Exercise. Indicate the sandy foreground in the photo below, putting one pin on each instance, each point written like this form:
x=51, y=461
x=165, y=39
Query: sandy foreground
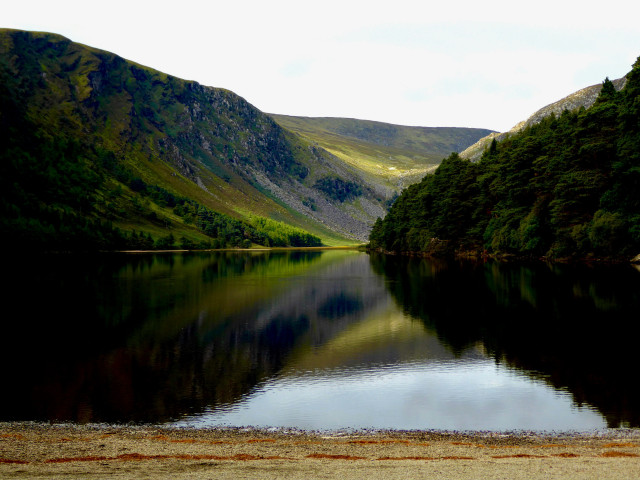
x=38, y=451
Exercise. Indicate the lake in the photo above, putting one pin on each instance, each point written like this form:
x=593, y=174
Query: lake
x=326, y=339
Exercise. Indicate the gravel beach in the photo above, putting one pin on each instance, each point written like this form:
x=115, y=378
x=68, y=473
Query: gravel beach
x=38, y=451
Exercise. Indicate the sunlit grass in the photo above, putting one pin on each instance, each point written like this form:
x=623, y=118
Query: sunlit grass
x=388, y=155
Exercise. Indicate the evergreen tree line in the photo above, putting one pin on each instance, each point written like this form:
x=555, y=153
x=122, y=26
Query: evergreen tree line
x=225, y=231
x=568, y=186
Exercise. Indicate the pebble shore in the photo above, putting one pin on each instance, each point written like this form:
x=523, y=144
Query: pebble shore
x=29, y=450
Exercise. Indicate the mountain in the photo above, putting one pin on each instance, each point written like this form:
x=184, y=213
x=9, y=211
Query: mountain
x=95, y=147
x=100, y=150
x=564, y=186
x=391, y=156
x=583, y=98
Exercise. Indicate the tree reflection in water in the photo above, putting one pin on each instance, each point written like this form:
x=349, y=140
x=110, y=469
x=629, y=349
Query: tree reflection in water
x=152, y=338
x=575, y=326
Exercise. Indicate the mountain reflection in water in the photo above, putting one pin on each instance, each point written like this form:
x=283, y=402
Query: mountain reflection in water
x=319, y=340
x=149, y=338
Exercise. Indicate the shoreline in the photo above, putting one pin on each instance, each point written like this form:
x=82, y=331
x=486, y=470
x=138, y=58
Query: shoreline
x=256, y=249
x=478, y=256
x=36, y=450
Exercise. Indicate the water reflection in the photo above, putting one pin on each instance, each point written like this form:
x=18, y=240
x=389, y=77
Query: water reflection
x=465, y=393
x=575, y=327
x=150, y=338
x=319, y=340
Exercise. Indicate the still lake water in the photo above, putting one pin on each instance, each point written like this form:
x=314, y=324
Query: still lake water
x=319, y=340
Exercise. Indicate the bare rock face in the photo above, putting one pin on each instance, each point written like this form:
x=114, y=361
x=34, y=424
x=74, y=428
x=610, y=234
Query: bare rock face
x=582, y=98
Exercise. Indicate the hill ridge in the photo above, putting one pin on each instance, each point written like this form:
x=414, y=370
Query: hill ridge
x=585, y=97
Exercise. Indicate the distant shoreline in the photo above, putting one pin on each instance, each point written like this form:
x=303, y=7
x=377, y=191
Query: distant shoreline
x=258, y=249
x=504, y=257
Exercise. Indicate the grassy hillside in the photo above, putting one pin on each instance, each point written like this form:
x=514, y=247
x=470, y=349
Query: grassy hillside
x=94, y=143
x=393, y=156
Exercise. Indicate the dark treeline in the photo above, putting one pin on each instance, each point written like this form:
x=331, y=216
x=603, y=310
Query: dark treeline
x=566, y=187
x=224, y=230
x=337, y=189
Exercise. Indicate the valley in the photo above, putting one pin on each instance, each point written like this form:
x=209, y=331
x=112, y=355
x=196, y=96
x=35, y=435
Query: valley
x=100, y=152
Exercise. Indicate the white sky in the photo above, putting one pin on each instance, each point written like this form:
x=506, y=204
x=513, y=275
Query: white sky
x=485, y=64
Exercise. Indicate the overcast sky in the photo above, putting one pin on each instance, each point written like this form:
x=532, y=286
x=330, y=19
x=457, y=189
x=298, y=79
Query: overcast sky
x=485, y=64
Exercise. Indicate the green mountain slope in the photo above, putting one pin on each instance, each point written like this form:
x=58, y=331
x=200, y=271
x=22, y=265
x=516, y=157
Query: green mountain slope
x=392, y=156
x=566, y=186
x=92, y=142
